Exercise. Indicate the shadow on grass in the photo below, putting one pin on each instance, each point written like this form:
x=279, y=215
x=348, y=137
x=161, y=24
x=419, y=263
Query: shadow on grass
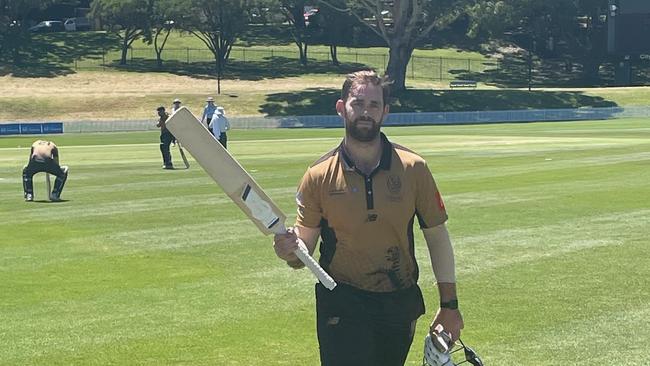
x=269, y=35
x=513, y=73
x=266, y=68
x=54, y=54
x=320, y=101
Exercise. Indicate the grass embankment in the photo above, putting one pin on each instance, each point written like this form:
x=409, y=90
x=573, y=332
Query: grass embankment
x=124, y=95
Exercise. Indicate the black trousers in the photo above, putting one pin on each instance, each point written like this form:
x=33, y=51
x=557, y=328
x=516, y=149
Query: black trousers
x=223, y=139
x=166, y=139
x=361, y=328
x=46, y=166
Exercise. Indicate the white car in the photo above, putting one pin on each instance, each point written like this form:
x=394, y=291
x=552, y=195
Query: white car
x=76, y=24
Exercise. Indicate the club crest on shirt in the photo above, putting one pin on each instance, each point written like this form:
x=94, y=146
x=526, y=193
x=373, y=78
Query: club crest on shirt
x=394, y=184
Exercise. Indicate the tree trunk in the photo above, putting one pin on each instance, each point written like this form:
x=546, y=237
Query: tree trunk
x=302, y=47
x=398, y=60
x=219, y=66
x=16, y=55
x=590, y=70
x=333, y=53
x=125, y=49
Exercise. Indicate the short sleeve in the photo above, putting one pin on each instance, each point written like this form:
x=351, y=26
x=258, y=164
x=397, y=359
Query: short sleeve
x=429, y=206
x=308, y=201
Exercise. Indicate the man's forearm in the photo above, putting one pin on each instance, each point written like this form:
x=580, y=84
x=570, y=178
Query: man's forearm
x=447, y=291
x=441, y=254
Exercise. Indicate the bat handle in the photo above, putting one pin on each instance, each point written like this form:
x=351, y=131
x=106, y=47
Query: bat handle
x=313, y=266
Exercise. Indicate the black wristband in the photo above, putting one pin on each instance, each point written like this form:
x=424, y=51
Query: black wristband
x=451, y=304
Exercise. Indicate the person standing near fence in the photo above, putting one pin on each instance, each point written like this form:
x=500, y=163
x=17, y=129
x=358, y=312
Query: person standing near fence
x=44, y=157
x=208, y=113
x=166, y=138
x=219, y=126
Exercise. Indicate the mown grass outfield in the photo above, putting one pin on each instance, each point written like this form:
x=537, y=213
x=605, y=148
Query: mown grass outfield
x=142, y=266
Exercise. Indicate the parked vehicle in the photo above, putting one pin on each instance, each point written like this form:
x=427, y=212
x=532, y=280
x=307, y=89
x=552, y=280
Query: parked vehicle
x=48, y=26
x=76, y=24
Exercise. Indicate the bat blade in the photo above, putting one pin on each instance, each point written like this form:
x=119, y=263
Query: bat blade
x=48, y=184
x=226, y=171
x=236, y=182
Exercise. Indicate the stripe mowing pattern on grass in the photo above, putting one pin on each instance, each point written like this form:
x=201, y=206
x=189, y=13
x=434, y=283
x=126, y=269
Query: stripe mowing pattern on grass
x=140, y=266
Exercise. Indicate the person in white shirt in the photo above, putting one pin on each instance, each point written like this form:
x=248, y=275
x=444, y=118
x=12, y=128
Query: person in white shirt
x=208, y=113
x=176, y=105
x=219, y=125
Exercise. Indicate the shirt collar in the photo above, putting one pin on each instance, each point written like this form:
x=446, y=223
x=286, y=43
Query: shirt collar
x=384, y=161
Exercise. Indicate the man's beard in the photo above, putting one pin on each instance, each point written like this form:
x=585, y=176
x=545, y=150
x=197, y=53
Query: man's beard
x=363, y=134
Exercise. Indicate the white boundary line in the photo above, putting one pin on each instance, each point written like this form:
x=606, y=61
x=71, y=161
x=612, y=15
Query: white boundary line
x=156, y=144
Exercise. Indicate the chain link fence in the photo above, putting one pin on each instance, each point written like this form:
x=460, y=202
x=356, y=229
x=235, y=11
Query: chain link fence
x=510, y=71
x=241, y=58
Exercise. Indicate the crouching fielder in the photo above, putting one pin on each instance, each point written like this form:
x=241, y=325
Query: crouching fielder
x=44, y=157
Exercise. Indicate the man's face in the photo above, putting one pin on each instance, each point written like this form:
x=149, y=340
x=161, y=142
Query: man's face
x=177, y=104
x=161, y=112
x=363, y=112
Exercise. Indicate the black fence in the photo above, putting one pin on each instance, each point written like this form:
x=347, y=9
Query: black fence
x=512, y=71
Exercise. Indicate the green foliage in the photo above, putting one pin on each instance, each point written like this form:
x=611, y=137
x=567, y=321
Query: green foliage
x=217, y=24
x=294, y=13
x=332, y=27
x=128, y=19
x=14, y=37
x=164, y=15
x=569, y=29
x=402, y=24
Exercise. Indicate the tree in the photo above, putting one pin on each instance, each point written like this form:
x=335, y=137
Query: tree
x=401, y=24
x=572, y=29
x=331, y=27
x=262, y=11
x=128, y=19
x=14, y=17
x=294, y=11
x=217, y=23
x=164, y=13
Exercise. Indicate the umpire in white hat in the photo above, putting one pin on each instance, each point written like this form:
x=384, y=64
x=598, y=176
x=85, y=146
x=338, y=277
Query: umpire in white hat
x=219, y=125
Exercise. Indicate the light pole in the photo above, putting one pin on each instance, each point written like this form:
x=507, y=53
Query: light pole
x=530, y=69
x=218, y=49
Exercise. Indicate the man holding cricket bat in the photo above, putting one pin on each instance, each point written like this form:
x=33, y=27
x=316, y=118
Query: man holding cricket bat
x=166, y=138
x=362, y=199
x=44, y=157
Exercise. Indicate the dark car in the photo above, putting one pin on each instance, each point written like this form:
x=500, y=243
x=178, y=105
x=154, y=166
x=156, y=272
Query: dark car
x=48, y=26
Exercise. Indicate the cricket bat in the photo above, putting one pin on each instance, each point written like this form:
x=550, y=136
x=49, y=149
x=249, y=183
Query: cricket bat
x=48, y=185
x=180, y=149
x=236, y=182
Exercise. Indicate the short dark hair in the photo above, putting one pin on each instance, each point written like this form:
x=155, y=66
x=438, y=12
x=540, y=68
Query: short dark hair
x=366, y=77
x=161, y=108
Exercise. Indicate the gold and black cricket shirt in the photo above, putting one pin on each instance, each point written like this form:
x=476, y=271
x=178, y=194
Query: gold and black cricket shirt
x=366, y=222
